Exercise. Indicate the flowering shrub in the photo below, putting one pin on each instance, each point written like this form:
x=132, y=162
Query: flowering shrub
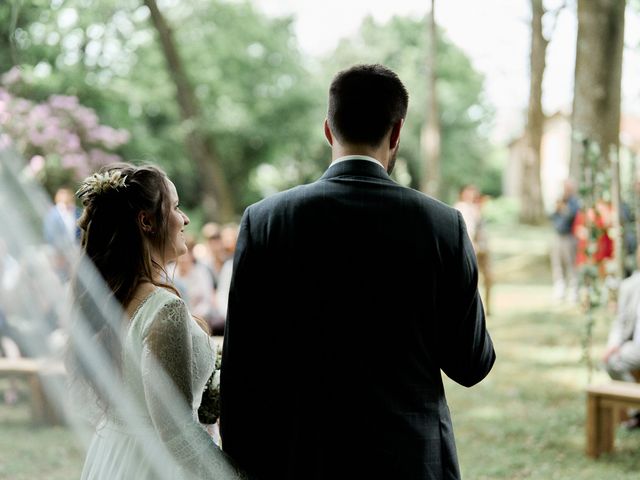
x=57, y=134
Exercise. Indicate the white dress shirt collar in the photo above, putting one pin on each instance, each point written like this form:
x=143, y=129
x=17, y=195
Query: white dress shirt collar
x=356, y=157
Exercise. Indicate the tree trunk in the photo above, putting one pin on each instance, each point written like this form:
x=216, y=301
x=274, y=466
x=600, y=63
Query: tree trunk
x=217, y=200
x=531, y=206
x=596, y=103
x=430, y=137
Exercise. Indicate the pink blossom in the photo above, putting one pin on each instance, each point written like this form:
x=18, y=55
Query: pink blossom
x=85, y=117
x=109, y=137
x=5, y=141
x=36, y=163
x=21, y=105
x=70, y=141
x=123, y=136
x=39, y=115
x=36, y=137
x=83, y=170
x=60, y=127
x=54, y=137
x=4, y=102
x=12, y=76
x=74, y=160
x=63, y=102
x=100, y=157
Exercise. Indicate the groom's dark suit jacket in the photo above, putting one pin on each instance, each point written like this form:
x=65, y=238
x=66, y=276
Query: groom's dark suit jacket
x=349, y=297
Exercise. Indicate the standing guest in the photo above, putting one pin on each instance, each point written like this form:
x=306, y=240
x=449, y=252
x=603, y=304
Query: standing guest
x=229, y=239
x=229, y=236
x=216, y=255
x=61, y=231
x=60, y=224
x=470, y=206
x=564, y=244
x=359, y=345
x=197, y=284
x=132, y=228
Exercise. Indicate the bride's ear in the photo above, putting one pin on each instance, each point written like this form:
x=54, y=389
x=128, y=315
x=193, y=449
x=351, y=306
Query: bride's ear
x=144, y=222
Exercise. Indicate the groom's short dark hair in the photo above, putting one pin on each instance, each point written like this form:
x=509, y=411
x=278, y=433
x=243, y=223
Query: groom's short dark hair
x=365, y=101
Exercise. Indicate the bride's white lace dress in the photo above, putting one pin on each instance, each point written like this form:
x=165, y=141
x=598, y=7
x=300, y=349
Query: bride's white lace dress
x=161, y=333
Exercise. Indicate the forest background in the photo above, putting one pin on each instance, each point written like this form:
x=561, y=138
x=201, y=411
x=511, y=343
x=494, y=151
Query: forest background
x=227, y=102
x=221, y=94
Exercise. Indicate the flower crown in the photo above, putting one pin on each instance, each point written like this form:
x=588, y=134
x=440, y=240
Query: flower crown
x=100, y=183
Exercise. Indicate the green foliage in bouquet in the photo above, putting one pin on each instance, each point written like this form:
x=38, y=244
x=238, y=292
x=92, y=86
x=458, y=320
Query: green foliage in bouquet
x=209, y=409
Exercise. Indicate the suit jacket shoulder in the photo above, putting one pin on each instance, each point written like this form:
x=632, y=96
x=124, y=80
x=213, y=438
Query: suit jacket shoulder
x=445, y=222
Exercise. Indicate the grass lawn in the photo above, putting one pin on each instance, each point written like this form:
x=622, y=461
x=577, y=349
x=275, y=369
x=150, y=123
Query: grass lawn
x=28, y=452
x=525, y=421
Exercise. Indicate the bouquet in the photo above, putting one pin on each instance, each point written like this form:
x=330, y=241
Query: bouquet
x=209, y=409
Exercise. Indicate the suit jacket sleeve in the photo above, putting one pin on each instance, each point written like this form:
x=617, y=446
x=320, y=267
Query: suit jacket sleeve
x=239, y=405
x=466, y=349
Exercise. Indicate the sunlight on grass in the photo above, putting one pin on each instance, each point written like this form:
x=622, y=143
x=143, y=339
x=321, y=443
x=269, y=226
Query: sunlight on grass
x=487, y=413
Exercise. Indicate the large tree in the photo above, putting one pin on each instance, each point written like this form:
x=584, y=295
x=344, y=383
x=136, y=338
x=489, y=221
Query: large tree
x=531, y=207
x=430, y=138
x=217, y=200
x=598, y=76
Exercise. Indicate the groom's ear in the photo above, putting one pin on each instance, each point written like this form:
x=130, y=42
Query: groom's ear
x=394, y=138
x=327, y=132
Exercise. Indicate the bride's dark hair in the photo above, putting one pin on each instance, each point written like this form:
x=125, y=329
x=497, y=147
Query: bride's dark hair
x=112, y=235
x=120, y=247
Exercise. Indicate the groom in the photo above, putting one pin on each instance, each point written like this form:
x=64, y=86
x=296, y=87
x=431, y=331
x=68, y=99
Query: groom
x=350, y=295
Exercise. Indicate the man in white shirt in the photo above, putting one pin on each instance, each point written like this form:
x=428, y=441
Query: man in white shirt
x=622, y=356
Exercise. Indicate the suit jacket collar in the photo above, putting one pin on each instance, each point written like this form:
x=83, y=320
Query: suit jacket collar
x=356, y=167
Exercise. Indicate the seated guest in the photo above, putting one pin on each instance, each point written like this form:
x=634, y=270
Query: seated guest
x=622, y=355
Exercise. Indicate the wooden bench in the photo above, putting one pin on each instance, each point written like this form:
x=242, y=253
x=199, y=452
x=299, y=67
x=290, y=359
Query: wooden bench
x=606, y=405
x=37, y=372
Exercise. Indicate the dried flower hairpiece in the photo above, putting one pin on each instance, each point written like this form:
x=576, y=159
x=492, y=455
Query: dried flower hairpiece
x=100, y=183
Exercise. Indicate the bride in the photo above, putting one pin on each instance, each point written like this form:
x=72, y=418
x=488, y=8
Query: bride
x=132, y=226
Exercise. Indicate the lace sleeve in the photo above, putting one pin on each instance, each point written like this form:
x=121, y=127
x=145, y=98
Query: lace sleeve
x=167, y=378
